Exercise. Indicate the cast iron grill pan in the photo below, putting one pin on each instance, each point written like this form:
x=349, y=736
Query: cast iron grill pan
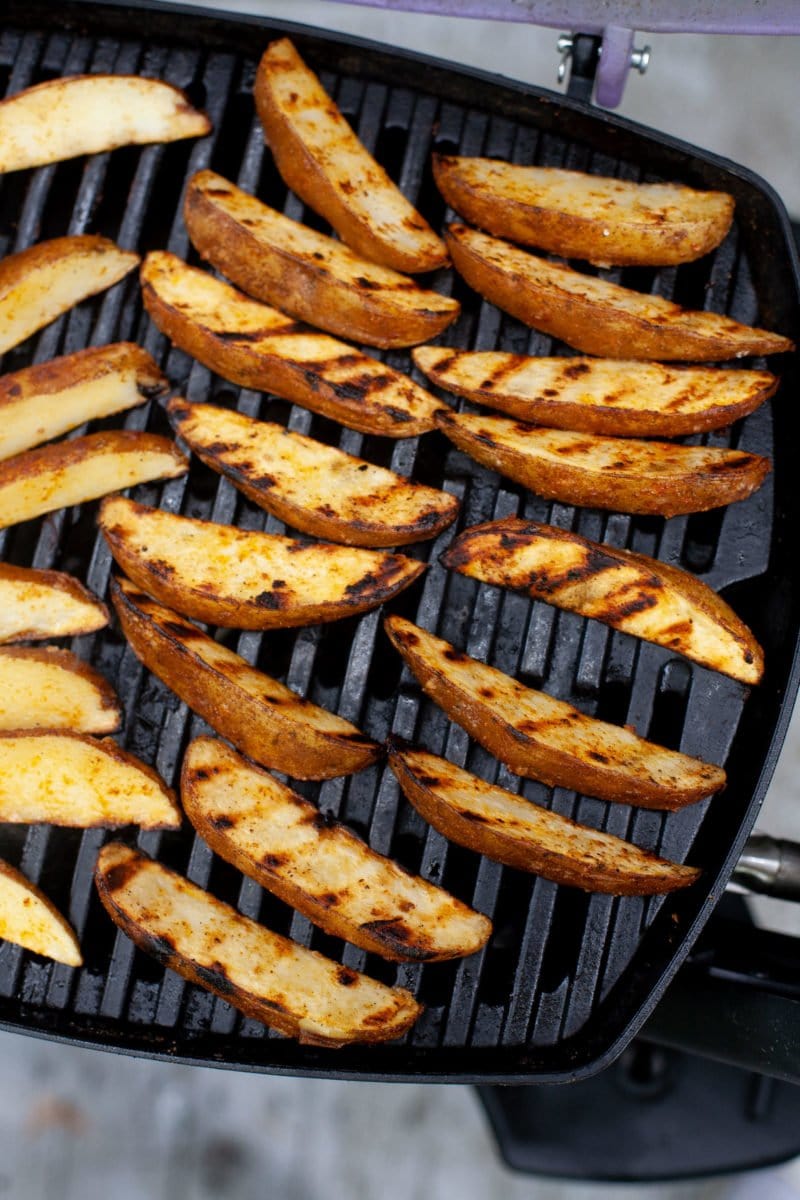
x=567, y=977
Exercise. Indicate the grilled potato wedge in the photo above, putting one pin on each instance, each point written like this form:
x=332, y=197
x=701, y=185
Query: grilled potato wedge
x=598, y=395
x=43, y=604
x=70, y=779
x=509, y=829
x=247, y=580
x=322, y=160
x=306, y=273
x=42, y=402
x=271, y=979
x=546, y=739
x=596, y=316
x=623, y=474
x=86, y=114
x=607, y=221
x=266, y=720
x=54, y=689
x=314, y=487
x=40, y=283
x=318, y=866
x=258, y=347
x=29, y=919
x=627, y=591
x=71, y=472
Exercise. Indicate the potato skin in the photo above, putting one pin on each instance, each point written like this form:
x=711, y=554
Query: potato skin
x=710, y=479
x=607, y=239
x=427, y=792
x=267, y=733
x=318, y=183
x=94, y=613
x=590, y=325
x=83, y=366
x=528, y=754
x=546, y=407
x=363, y=310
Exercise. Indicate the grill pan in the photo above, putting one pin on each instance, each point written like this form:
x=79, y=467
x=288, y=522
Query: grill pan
x=568, y=978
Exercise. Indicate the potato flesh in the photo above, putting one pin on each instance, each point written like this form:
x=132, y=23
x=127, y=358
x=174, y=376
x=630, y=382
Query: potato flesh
x=37, y=289
x=74, y=781
x=309, y=476
x=28, y=919
x=86, y=114
x=284, y=837
x=82, y=470
x=33, y=607
x=277, y=577
x=384, y=225
x=470, y=689
x=637, y=595
x=96, y=383
x=44, y=689
x=327, y=1003
x=547, y=391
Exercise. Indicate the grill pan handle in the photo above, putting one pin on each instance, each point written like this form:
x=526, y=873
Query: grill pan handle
x=770, y=866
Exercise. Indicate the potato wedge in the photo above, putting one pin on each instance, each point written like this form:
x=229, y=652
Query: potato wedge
x=71, y=472
x=271, y=979
x=314, y=277
x=607, y=221
x=86, y=114
x=266, y=720
x=623, y=474
x=546, y=739
x=316, y=488
x=43, y=604
x=598, y=395
x=318, y=866
x=40, y=283
x=322, y=160
x=511, y=830
x=54, y=689
x=627, y=591
x=29, y=919
x=42, y=402
x=73, y=780
x=247, y=580
x=596, y=316
x=258, y=347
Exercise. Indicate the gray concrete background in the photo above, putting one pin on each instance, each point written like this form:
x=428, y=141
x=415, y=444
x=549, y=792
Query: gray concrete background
x=82, y=1124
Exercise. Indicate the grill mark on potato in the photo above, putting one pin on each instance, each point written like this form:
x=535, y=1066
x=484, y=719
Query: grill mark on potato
x=359, y=387
x=273, y=861
x=347, y=977
x=222, y=821
x=120, y=874
x=258, y=335
x=216, y=978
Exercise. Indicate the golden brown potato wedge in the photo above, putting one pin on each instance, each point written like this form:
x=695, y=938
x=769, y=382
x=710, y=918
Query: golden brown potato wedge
x=258, y=347
x=625, y=590
x=42, y=604
x=308, y=274
x=42, y=402
x=322, y=160
x=316, y=488
x=596, y=316
x=70, y=779
x=65, y=473
x=512, y=830
x=623, y=474
x=266, y=720
x=546, y=739
x=271, y=979
x=247, y=580
x=29, y=919
x=318, y=866
x=86, y=114
x=40, y=283
x=607, y=221
x=54, y=689
x=598, y=395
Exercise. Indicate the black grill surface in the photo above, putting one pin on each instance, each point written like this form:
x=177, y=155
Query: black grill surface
x=567, y=977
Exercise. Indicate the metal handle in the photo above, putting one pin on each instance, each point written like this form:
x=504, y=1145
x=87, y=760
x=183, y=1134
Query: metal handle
x=770, y=866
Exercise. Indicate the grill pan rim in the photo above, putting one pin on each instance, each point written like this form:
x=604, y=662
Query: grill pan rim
x=216, y=26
